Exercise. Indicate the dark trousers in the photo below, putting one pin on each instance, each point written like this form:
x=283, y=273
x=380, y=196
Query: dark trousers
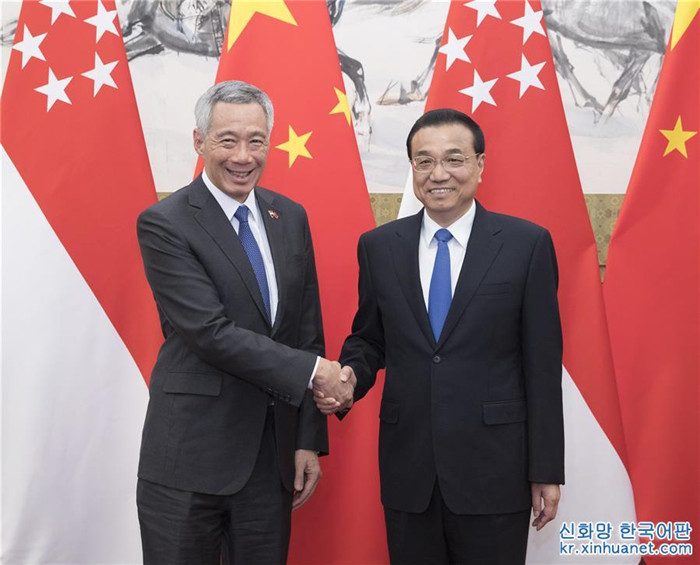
x=439, y=536
x=249, y=527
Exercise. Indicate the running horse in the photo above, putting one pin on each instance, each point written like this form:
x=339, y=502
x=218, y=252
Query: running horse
x=198, y=26
x=627, y=33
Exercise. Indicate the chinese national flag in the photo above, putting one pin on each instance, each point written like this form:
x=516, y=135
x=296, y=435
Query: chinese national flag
x=652, y=287
x=80, y=329
x=495, y=64
x=287, y=50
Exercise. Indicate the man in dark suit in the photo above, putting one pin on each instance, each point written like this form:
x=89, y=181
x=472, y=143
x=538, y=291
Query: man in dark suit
x=232, y=436
x=460, y=305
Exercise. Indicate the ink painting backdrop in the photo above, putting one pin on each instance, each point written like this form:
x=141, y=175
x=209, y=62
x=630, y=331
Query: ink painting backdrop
x=608, y=55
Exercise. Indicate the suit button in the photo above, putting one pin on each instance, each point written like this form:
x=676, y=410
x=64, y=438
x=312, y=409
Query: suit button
x=437, y=359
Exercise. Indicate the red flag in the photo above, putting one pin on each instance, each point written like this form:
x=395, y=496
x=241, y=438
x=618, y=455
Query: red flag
x=651, y=295
x=71, y=127
x=495, y=64
x=287, y=49
x=81, y=326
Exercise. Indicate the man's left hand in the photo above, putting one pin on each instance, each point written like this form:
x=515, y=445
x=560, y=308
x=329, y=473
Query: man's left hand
x=306, y=476
x=550, y=495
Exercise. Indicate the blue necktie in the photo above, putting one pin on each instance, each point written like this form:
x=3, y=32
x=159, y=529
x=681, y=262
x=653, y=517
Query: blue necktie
x=253, y=251
x=440, y=295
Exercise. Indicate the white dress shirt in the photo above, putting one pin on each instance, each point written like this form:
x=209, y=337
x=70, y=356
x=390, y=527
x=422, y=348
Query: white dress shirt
x=457, y=246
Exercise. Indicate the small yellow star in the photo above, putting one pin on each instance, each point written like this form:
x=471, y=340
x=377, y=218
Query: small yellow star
x=677, y=138
x=242, y=12
x=342, y=107
x=296, y=146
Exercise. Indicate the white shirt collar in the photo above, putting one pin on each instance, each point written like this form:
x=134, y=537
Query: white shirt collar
x=228, y=204
x=460, y=228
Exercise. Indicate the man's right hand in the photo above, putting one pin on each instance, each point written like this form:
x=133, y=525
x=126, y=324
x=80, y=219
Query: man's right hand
x=333, y=388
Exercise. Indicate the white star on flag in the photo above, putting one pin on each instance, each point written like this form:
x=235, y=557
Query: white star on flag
x=484, y=8
x=58, y=7
x=103, y=21
x=531, y=22
x=29, y=46
x=454, y=48
x=480, y=91
x=101, y=74
x=527, y=75
x=54, y=90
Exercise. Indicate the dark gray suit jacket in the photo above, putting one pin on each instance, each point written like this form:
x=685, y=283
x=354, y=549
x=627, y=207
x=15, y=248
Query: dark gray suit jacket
x=221, y=360
x=481, y=409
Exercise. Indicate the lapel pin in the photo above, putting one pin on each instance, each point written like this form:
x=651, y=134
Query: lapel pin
x=274, y=215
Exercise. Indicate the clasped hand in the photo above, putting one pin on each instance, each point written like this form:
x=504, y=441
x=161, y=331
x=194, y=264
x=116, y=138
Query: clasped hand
x=333, y=387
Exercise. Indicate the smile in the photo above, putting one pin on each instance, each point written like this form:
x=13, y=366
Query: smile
x=241, y=175
x=440, y=190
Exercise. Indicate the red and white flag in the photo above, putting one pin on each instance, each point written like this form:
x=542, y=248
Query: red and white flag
x=495, y=64
x=287, y=49
x=79, y=327
x=652, y=299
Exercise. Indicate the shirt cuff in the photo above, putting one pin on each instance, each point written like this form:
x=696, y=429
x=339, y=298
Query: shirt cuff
x=313, y=373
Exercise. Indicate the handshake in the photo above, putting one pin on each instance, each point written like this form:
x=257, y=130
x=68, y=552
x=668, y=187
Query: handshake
x=333, y=387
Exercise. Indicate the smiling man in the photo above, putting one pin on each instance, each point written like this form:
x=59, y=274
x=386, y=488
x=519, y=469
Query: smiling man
x=460, y=305
x=232, y=436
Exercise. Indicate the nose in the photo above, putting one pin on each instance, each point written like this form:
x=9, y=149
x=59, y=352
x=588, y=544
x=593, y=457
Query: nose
x=439, y=173
x=240, y=153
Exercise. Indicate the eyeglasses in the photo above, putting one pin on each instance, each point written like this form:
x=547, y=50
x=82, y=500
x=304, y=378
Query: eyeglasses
x=425, y=164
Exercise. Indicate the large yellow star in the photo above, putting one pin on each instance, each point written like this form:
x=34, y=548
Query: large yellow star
x=242, y=12
x=686, y=10
x=296, y=146
x=677, y=138
x=342, y=107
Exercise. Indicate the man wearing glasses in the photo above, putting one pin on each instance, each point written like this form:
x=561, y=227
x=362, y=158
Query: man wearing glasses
x=460, y=305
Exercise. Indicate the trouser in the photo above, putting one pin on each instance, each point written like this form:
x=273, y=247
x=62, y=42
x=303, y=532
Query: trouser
x=439, y=536
x=249, y=527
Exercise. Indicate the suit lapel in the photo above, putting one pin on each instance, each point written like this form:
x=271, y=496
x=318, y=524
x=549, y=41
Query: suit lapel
x=213, y=220
x=405, y=256
x=483, y=247
x=274, y=227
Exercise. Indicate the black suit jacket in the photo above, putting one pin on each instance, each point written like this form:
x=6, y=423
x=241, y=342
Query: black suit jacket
x=221, y=360
x=480, y=410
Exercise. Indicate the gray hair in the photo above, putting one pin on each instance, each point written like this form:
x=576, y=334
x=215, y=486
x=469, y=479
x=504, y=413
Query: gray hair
x=231, y=92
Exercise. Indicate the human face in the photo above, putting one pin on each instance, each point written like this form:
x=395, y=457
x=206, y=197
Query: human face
x=235, y=148
x=446, y=194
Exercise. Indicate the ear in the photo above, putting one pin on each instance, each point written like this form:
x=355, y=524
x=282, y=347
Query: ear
x=480, y=164
x=198, y=142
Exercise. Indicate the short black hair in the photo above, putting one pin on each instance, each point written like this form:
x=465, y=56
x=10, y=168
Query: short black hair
x=443, y=116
